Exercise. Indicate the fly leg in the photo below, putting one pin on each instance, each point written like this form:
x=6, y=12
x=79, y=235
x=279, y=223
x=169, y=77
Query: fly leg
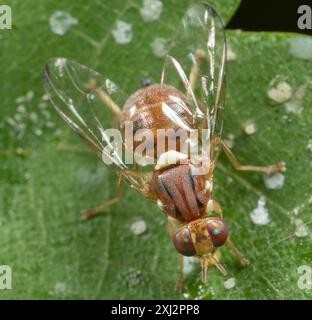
x=180, y=281
x=199, y=55
x=242, y=260
x=106, y=99
x=279, y=167
x=88, y=214
x=131, y=176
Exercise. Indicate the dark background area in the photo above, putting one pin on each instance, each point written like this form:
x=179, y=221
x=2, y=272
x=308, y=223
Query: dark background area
x=265, y=15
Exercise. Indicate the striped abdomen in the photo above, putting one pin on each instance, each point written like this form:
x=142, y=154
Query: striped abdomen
x=183, y=195
x=158, y=107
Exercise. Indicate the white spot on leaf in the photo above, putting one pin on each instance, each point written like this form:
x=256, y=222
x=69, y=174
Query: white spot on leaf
x=230, y=283
x=260, y=215
x=294, y=105
x=301, y=48
x=301, y=228
x=45, y=97
x=27, y=97
x=281, y=92
x=33, y=117
x=122, y=32
x=151, y=10
x=189, y=263
x=250, y=128
x=21, y=109
x=138, y=227
x=274, y=181
x=194, y=17
x=59, y=289
x=230, y=140
x=42, y=105
x=230, y=55
x=30, y=95
x=50, y=124
x=38, y=132
x=309, y=145
x=19, y=100
x=61, y=22
x=159, y=47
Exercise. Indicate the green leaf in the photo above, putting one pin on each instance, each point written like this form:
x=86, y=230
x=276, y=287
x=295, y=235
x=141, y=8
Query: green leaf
x=47, y=177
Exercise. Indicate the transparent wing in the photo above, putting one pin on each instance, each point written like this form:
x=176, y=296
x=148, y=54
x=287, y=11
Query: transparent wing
x=88, y=103
x=196, y=64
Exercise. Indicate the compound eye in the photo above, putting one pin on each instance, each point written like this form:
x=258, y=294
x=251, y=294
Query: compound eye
x=218, y=231
x=182, y=241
